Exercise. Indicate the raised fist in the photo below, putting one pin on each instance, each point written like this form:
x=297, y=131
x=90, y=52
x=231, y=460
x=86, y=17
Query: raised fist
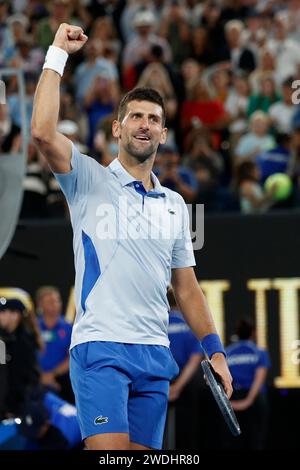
x=70, y=38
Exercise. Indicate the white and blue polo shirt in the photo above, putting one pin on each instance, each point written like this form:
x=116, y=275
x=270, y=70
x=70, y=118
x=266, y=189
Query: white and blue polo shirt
x=126, y=241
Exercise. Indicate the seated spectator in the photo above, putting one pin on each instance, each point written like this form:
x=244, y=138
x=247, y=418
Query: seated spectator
x=281, y=113
x=257, y=140
x=174, y=176
x=275, y=160
x=252, y=197
x=56, y=333
x=265, y=98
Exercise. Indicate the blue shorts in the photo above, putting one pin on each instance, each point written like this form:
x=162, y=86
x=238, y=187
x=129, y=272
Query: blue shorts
x=122, y=388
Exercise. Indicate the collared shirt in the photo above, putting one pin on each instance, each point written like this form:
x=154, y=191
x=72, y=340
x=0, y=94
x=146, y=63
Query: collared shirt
x=244, y=358
x=126, y=241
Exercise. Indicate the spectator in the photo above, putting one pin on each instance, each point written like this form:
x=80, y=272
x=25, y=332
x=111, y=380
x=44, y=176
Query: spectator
x=19, y=332
x=174, y=176
x=137, y=49
x=175, y=28
x=210, y=193
x=60, y=12
x=94, y=65
x=277, y=159
x=99, y=102
x=284, y=49
x=249, y=365
x=56, y=333
x=240, y=57
x=251, y=195
x=282, y=112
x=257, y=140
x=156, y=76
x=265, y=98
x=266, y=67
x=236, y=105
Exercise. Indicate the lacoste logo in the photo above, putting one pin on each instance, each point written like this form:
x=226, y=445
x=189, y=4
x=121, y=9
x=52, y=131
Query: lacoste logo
x=171, y=211
x=101, y=420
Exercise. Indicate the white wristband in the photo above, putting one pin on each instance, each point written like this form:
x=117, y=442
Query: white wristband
x=56, y=59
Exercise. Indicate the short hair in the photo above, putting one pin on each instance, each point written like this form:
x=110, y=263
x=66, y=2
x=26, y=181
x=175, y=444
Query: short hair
x=141, y=94
x=245, y=328
x=45, y=290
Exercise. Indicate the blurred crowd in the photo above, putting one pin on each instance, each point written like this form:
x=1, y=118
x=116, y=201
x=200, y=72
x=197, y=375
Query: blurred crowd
x=227, y=70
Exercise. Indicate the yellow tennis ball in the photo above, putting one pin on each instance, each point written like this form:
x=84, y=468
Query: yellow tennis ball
x=283, y=185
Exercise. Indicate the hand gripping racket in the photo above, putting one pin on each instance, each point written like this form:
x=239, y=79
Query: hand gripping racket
x=214, y=382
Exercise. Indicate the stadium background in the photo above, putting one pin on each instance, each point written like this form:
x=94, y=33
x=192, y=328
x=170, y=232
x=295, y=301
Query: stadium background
x=242, y=253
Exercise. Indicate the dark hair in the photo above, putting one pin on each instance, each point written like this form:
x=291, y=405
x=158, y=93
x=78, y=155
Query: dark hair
x=244, y=171
x=245, y=328
x=141, y=94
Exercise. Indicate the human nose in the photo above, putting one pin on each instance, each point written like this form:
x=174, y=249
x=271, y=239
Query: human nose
x=144, y=123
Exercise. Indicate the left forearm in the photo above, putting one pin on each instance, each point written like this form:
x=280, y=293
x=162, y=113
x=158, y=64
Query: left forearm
x=194, y=307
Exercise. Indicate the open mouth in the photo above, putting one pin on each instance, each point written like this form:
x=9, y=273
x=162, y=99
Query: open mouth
x=142, y=138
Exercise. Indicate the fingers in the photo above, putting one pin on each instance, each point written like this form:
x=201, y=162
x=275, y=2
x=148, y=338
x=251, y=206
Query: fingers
x=227, y=387
x=75, y=32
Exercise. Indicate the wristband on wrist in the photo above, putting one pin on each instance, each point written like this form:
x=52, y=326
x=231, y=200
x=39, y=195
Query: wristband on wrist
x=56, y=59
x=212, y=344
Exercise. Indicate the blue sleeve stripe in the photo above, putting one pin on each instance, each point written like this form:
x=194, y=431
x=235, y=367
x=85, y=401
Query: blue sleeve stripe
x=92, y=269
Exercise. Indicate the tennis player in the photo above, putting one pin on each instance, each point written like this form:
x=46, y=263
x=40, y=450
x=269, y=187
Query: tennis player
x=120, y=362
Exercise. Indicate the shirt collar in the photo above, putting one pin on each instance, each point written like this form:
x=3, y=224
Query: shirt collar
x=125, y=178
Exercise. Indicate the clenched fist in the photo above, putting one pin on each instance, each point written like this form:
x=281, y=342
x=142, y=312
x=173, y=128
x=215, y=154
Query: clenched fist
x=69, y=38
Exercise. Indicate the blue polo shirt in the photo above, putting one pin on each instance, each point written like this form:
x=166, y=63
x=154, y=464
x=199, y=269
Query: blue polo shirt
x=126, y=242
x=183, y=343
x=57, y=342
x=244, y=358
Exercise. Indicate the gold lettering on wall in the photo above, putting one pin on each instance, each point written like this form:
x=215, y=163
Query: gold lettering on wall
x=214, y=291
x=260, y=286
x=288, y=331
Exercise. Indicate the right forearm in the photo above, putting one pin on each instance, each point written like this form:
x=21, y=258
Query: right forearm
x=46, y=106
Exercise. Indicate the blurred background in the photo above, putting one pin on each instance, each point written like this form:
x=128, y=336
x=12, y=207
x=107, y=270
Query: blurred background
x=228, y=72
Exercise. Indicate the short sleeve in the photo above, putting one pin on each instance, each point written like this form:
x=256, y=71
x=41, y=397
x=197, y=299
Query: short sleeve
x=84, y=174
x=183, y=254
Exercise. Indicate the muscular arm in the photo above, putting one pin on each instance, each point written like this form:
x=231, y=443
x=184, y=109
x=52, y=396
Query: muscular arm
x=53, y=145
x=193, y=305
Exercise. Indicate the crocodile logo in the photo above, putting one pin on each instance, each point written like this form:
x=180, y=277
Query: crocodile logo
x=171, y=211
x=101, y=420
